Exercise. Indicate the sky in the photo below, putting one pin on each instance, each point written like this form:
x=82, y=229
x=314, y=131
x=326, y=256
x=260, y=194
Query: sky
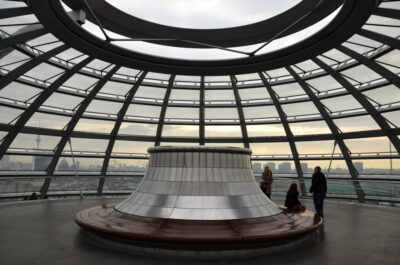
x=206, y=14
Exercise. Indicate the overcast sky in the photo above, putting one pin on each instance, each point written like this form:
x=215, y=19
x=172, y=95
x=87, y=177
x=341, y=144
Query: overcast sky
x=206, y=14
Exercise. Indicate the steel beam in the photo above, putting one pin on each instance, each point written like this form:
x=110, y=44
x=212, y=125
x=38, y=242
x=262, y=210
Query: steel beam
x=17, y=72
x=23, y=119
x=14, y=12
x=33, y=32
x=71, y=126
x=240, y=112
x=392, y=42
x=388, y=12
x=335, y=132
x=114, y=132
x=164, y=110
x=288, y=132
x=202, y=134
x=379, y=69
x=379, y=119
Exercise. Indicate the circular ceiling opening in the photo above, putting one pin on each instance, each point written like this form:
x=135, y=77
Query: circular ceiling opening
x=205, y=14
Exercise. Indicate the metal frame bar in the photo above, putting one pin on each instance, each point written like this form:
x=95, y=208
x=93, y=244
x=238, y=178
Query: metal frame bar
x=335, y=132
x=44, y=95
x=387, y=12
x=17, y=72
x=71, y=125
x=240, y=112
x=34, y=31
x=379, y=69
x=202, y=134
x=114, y=132
x=14, y=12
x=164, y=110
x=288, y=132
x=379, y=119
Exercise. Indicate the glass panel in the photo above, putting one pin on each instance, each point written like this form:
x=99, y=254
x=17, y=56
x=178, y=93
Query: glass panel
x=341, y=103
x=265, y=130
x=221, y=113
x=316, y=147
x=17, y=163
x=271, y=148
x=74, y=184
x=384, y=95
x=288, y=90
x=85, y=144
x=211, y=95
x=127, y=165
x=63, y=101
x=44, y=71
x=89, y=125
x=223, y=131
x=121, y=184
x=185, y=94
x=253, y=93
x=393, y=117
x=20, y=185
x=13, y=60
x=260, y=112
x=116, y=88
x=324, y=83
x=138, y=128
x=19, y=91
x=182, y=113
x=295, y=109
x=310, y=127
x=9, y=114
x=360, y=74
x=102, y=106
x=361, y=123
x=80, y=81
x=33, y=141
x=83, y=164
x=390, y=61
x=150, y=92
x=367, y=145
x=181, y=130
x=139, y=110
x=48, y=121
x=131, y=147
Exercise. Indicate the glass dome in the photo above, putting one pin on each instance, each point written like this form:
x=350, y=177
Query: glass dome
x=77, y=120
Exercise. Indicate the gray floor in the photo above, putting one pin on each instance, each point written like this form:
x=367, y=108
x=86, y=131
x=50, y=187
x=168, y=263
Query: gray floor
x=44, y=233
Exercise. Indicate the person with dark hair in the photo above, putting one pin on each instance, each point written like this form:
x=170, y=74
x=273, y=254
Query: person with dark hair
x=318, y=189
x=33, y=196
x=266, y=182
x=292, y=202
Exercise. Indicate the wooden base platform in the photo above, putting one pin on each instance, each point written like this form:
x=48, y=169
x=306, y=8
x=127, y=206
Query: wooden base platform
x=106, y=221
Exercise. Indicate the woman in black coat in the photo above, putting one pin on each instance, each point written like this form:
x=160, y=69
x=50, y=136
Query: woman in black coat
x=292, y=202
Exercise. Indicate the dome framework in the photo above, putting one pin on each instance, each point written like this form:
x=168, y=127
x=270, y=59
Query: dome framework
x=103, y=114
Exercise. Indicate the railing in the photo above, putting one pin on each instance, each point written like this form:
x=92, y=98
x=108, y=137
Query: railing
x=385, y=191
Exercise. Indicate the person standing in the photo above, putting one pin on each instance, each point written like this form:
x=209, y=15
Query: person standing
x=266, y=182
x=318, y=189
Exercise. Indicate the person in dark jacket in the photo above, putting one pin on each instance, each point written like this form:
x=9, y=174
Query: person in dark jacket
x=266, y=182
x=292, y=202
x=318, y=189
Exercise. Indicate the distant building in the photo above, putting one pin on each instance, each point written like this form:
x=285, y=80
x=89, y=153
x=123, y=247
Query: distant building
x=5, y=162
x=285, y=167
x=40, y=163
x=359, y=166
x=257, y=168
x=304, y=167
x=63, y=166
x=271, y=166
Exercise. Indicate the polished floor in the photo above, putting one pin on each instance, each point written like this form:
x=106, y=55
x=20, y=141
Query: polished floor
x=44, y=233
